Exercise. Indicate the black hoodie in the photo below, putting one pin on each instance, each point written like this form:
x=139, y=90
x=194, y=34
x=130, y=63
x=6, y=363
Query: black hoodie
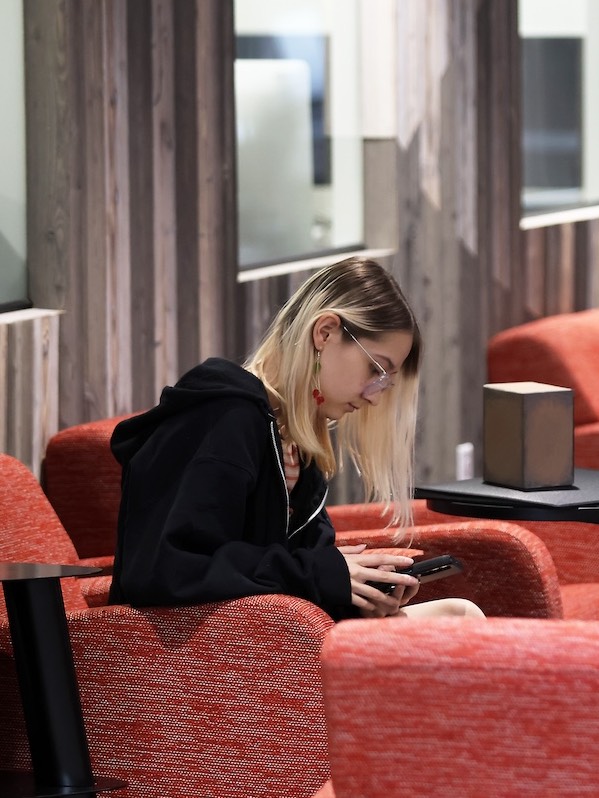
x=205, y=513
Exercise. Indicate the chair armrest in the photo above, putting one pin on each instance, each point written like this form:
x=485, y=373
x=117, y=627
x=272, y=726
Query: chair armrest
x=233, y=688
x=507, y=569
x=573, y=545
x=372, y=515
x=491, y=699
x=95, y=590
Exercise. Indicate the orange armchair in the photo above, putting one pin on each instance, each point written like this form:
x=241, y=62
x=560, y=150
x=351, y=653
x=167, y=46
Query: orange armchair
x=508, y=570
x=83, y=483
x=218, y=699
x=558, y=350
x=472, y=708
x=30, y=531
x=573, y=546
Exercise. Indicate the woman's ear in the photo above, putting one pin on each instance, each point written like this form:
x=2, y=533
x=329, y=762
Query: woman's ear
x=329, y=324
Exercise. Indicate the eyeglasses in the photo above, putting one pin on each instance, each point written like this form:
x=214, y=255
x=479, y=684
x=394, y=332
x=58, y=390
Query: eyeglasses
x=379, y=384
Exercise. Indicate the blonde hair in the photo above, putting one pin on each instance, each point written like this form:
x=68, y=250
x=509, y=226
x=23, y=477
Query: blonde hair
x=379, y=440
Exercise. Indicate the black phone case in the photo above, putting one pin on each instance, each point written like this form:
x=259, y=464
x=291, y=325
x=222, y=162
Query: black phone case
x=426, y=571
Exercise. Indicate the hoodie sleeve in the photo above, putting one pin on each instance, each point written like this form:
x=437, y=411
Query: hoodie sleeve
x=191, y=533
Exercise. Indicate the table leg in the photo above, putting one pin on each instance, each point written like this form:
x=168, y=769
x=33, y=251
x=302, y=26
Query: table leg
x=48, y=684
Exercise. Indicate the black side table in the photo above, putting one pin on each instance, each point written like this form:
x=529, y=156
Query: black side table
x=478, y=499
x=48, y=686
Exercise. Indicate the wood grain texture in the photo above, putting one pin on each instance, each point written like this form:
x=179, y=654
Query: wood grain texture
x=28, y=383
x=560, y=267
x=132, y=209
x=130, y=121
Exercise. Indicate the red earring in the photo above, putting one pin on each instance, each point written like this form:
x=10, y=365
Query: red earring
x=318, y=397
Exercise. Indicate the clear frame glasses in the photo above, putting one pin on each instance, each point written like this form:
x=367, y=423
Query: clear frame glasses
x=379, y=384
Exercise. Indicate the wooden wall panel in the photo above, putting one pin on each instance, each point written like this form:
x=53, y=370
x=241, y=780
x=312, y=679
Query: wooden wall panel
x=28, y=383
x=132, y=212
x=131, y=192
x=561, y=267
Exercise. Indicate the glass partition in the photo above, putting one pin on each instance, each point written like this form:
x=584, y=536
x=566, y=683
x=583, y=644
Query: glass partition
x=560, y=103
x=299, y=150
x=13, y=279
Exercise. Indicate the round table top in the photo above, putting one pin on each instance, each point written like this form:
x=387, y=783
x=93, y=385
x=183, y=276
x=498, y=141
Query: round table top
x=21, y=571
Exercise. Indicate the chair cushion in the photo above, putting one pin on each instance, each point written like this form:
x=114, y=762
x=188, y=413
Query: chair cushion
x=83, y=482
x=586, y=446
x=30, y=531
x=558, y=350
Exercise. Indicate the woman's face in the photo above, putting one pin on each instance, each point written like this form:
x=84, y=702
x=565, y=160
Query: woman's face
x=349, y=379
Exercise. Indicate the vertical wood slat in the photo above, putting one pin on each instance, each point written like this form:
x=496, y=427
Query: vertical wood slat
x=141, y=189
x=164, y=197
x=499, y=161
x=561, y=268
x=102, y=184
x=533, y=246
x=216, y=179
x=29, y=383
x=107, y=181
x=118, y=216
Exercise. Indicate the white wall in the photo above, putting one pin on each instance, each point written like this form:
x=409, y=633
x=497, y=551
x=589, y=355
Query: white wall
x=13, y=284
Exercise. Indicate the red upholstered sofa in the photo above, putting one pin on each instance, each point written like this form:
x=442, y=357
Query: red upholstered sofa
x=495, y=708
x=558, y=350
x=221, y=699
x=82, y=481
x=573, y=546
x=509, y=571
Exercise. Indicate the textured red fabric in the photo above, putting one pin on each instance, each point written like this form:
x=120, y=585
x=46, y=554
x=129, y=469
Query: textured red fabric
x=495, y=708
x=218, y=700
x=586, y=445
x=83, y=482
x=558, y=350
x=30, y=530
x=581, y=601
x=507, y=569
x=573, y=546
x=222, y=700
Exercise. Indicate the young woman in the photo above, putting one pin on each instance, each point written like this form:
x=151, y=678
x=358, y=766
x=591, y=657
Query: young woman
x=225, y=480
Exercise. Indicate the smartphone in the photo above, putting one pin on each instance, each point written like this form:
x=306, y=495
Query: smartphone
x=426, y=571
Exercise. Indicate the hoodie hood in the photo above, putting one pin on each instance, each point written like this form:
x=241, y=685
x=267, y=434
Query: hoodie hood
x=215, y=379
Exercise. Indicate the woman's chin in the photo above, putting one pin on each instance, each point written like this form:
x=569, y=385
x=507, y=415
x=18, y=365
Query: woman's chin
x=332, y=412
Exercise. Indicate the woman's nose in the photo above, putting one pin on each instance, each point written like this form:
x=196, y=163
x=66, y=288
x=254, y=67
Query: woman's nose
x=374, y=398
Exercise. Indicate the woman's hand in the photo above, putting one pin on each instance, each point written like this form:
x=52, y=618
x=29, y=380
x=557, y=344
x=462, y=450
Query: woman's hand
x=371, y=566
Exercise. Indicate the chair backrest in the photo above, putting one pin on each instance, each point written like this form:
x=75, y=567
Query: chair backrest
x=462, y=707
x=83, y=482
x=557, y=350
x=30, y=530
x=215, y=700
